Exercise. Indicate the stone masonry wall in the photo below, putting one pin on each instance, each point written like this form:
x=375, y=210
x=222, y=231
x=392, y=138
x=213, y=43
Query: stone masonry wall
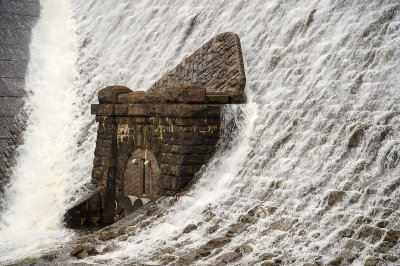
x=217, y=66
x=17, y=18
x=177, y=123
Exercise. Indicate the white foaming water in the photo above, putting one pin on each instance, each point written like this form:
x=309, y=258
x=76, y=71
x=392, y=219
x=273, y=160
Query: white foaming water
x=323, y=120
x=324, y=86
x=37, y=196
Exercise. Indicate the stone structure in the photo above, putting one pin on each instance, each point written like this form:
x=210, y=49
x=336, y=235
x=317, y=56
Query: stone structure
x=17, y=18
x=151, y=144
x=217, y=66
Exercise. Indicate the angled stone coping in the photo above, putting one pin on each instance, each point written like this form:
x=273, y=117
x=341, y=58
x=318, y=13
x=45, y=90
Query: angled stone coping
x=182, y=100
x=217, y=66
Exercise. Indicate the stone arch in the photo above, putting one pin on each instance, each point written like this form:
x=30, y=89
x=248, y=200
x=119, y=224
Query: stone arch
x=141, y=174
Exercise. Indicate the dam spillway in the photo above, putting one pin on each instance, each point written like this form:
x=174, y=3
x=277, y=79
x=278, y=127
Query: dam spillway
x=312, y=157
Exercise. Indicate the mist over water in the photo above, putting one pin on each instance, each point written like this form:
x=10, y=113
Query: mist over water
x=315, y=150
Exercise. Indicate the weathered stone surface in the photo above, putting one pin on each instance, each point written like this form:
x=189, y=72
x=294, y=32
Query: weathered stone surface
x=190, y=257
x=283, y=224
x=174, y=126
x=352, y=244
x=374, y=234
x=346, y=233
x=244, y=249
x=49, y=257
x=174, y=183
x=92, y=251
x=77, y=250
x=16, y=21
x=110, y=94
x=218, y=98
x=212, y=229
x=167, y=259
x=223, y=71
x=372, y=261
x=204, y=253
x=268, y=256
x=334, y=197
x=229, y=257
x=102, y=109
x=189, y=228
x=348, y=256
x=390, y=257
x=236, y=228
x=216, y=243
x=392, y=236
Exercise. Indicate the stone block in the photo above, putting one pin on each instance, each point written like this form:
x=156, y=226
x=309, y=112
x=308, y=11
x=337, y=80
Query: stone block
x=103, y=136
x=283, y=224
x=132, y=97
x=175, y=94
x=110, y=94
x=392, y=236
x=175, y=183
x=179, y=170
x=123, y=119
x=335, y=197
x=97, y=161
x=186, y=128
x=214, y=110
x=183, y=121
x=218, y=98
x=109, y=130
x=191, y=110
x=140, y=109
x=189, y=142
x=102, y=151
x=164, y=109
x=105, y=119
x=374, y=234
x=190, y=135
x=140, y=120
x=108, y=162
x=238, y=98
x=102, y=109
x=195, y=94
x=183, y=149
x=103, y=143
x=121, y=109
x=98, y=173
x=142, y=97
x=101, y=130
x=166, y=192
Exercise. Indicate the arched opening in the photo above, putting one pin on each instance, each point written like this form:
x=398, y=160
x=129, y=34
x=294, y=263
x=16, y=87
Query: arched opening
x=141, y=175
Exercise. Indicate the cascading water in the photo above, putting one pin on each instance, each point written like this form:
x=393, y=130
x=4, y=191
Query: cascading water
x=43, y=176
x=314, y=154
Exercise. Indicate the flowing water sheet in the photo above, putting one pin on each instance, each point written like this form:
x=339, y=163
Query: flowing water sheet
x=311, y=164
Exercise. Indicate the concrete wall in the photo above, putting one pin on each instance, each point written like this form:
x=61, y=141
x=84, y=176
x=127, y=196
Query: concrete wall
x=17, y=17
